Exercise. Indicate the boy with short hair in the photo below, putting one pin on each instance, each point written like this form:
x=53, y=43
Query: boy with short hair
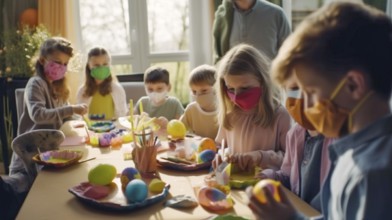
x=200, y=115
x=157, y=103
x=341, y=56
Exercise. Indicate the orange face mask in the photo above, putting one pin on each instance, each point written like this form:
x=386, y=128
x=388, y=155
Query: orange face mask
x=328, y=118
x=295, y=107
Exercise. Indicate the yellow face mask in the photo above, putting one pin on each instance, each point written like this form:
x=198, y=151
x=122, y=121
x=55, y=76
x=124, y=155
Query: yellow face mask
x=328, y=118
x=295, y=107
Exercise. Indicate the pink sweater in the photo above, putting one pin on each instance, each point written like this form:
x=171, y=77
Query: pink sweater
x=245, y=137
x=295, y=142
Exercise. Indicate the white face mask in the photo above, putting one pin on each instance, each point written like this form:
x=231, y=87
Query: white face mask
x=207, y=101
x=157, y=97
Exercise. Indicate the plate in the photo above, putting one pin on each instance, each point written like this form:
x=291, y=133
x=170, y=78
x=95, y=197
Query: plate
x=102, y=126
x=238, y=181
x=182, y=166
x=116, y=200
x=58, y=158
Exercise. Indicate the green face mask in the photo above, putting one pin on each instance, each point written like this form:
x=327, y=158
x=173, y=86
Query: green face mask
x=101, y=72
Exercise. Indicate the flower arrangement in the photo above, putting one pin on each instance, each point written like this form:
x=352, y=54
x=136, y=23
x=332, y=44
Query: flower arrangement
x=18, y=49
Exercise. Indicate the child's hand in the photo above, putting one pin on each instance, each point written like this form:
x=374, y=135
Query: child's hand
x=246, y=161
x=80, y=109
x=162, y=122
x=272, y=209
x=216, y=163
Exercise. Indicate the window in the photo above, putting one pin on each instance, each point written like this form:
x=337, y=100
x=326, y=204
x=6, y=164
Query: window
x=140, y=33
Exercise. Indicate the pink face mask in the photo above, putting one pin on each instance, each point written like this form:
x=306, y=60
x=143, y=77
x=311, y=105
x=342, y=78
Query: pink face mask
x=54, y=71
x=247, y=99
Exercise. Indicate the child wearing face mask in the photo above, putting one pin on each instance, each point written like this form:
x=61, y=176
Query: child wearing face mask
x=104, y=96
x=158, y=103
x=306, y=163
x=343, y=68
x=252, y=121
x=200, y=116
x=45, y=107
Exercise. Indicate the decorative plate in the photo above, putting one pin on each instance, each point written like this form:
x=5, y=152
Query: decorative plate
x=58, y=158
x=239, y=181
x=115, y=199
x=102, y=126
x=178, y=164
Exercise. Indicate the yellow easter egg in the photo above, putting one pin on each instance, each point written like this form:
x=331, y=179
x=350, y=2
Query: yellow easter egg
x=156, y=186
x=176, y=129
x=206, y=144
x=271, y=185
x=103, y=174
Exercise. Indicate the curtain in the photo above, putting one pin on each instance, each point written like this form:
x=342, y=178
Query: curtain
x=52, y=15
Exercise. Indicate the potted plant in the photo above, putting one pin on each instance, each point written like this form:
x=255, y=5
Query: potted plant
x=18, y=48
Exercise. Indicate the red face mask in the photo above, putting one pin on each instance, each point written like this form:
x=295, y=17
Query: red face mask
x=247, y=99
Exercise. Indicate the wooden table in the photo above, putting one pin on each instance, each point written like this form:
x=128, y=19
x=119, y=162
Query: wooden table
x=49, y=197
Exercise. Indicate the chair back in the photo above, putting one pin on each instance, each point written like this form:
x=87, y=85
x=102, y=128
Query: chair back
x=26, y=146
x=19, y=96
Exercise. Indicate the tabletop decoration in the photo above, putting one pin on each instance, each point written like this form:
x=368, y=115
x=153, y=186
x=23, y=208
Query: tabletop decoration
x=181, y=202
x=188, y=154
x=144, y=152
x=58, y=158
x=102, y=174
x=112, y=198
x=214, y=199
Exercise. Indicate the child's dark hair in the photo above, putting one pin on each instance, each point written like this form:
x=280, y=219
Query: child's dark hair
x=59, y=87
x=91, y=87
x=340, y=37
x=204, y=74
x=156, y=75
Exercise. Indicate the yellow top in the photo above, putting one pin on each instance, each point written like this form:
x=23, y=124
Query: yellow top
x=102, y=105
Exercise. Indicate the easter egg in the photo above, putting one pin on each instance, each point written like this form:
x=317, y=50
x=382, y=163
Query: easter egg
x=129, y=174
x=271, y=185
x=94, y=141
x=116, y=142
x=136, y=191
x=176, y=129
x=206, y=156
x=156, y=186
x=126, y=138
x=104, y=140
x=102, y=174
x=214, y=199
x=206, y=144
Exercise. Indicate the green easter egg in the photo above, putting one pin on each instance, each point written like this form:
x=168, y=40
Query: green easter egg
x=103, y=174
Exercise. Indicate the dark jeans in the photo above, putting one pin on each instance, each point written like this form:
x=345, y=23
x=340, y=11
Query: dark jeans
x=10, y=200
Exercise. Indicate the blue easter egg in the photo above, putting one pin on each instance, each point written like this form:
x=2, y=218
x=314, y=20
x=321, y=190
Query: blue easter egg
x=129, y=174
x=136, y=191
x=206, y=156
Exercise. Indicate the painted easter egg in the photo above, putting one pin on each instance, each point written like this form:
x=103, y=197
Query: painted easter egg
x=136, y=191
x=156, y=185
x=214, y=199
x=129, y=174
x=94, y=140
x=206, y=156
x=116, y=142
x=102, y=174
x=206, y=144
x=176, y=129
x=271, y=185
x=127, y=138
x=104, y=140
